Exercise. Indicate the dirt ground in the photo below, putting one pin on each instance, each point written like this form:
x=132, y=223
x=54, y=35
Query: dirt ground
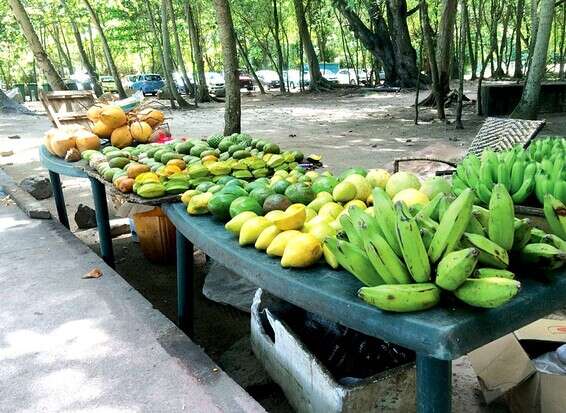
x=348, y=128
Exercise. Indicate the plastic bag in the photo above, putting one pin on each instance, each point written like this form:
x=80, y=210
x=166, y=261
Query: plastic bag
x=553, y=362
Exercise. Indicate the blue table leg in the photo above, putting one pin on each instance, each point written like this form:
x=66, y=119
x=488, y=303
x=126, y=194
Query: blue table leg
x=434, y=385
x=59, y=198
x=185, y=272
x=102, y=221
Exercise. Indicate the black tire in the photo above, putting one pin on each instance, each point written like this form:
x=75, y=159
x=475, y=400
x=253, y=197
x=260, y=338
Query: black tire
x=353, y=82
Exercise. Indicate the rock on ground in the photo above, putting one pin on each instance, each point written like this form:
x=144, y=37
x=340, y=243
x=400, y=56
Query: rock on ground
x=37, y=186
x=85, y=217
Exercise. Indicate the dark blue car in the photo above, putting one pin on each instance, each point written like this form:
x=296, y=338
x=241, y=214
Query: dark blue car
x=149, y=84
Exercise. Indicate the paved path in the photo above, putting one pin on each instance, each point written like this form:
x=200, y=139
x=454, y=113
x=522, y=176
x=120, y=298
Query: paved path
x=69, y=344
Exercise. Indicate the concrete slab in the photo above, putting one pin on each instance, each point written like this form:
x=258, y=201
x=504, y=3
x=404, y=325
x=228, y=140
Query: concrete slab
x=72, y=344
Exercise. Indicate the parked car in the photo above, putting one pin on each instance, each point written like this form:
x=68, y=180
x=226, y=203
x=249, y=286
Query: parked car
x=246, y=81
x=329, y=75
x=180, y=83
x=108, y=84
x=128, y=80
x=269, y=78
x=149, y=83
x=348, y=77
x=215, y=83
x=292, y=77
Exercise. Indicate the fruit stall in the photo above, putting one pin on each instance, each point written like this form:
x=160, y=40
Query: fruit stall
x=440, y=266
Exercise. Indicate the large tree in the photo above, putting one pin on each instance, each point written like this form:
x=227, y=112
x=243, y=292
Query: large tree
x=528, y=105
x=232, y=106
x=389, y=41
x=91, y=70
x=312, y=60
x=36, y=46
x=107, y=51
x=167, y=60
x=197, y=55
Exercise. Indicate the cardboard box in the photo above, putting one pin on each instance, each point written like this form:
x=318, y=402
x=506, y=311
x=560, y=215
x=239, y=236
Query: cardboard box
x=504, y=367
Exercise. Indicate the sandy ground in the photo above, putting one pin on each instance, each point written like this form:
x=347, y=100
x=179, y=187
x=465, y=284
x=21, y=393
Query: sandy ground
x=348, y=128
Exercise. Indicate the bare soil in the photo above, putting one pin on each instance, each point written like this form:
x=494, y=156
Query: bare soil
x=347, y=127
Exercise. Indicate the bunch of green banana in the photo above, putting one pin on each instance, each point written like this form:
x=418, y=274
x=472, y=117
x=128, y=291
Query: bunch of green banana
x=555, y=214
x=537, y=170
x=551, y=179
x=406, y=257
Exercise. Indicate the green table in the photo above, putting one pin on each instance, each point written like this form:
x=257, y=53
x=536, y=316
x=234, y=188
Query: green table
x=438, y=336
x=56, y=167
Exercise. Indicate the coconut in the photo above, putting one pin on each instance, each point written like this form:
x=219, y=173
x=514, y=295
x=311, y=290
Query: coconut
x=85, y=139
x=101, y=129
x=61, y=141
x=141, y=131
x=93, y=113
x=121, y=137
x=113, y=116
x=153, y=117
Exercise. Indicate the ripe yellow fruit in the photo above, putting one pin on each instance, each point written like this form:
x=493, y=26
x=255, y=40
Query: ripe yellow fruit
x=378, y=178
x=141, y=131
x=113, y=116
x=363, y=188
x=410, y=197
x=251, y=229
x=344, y=192
x=331, y=209
x=266, y=237
x=93, y=113
x=235, y=224
x=304, y=251
x=277, y=246
x=121, y=137
x=322, y=230
x=271, y=215
x=153, y=117
x=293, y=218
x=101, y=129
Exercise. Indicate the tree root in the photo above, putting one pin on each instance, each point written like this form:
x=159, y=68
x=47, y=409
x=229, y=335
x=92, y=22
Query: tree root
x=451, y=97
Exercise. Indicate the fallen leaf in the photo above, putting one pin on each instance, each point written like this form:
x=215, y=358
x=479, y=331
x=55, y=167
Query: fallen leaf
x=94, y=273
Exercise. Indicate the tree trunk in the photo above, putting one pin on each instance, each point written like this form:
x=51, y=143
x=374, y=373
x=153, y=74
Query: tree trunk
x=178, y=50
x=431, y=52
x=499, y=71
x=157, y=38
x=472, y=54
x=167, y=60
x=444, y=45
x=39, y=52
x=562, y=35
x=528, y=105
x=378, y=41
x=314, y=68
x=107, y=51
x=463, y=24
x=405, y=55
x=232, y=111
x=91, y=45
x=199, y=77
x=244, y=54
x=518, y=72
x=90, y=69
x=534, y=30
x=280, y=61
x=67, y=52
